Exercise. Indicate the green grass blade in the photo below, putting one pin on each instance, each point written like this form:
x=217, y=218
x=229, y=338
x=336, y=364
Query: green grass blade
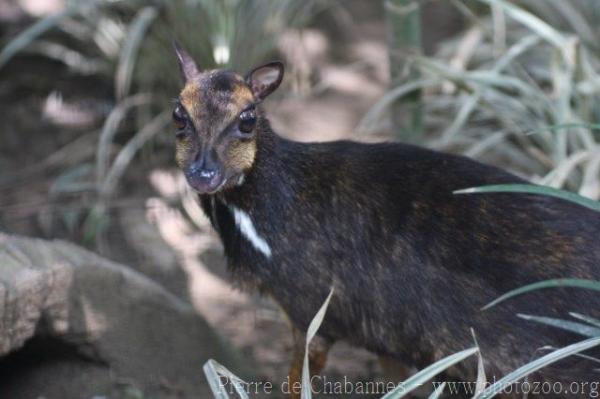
x=426, y=374
x=438, y=391
x=72, y=180
x=135, y=36
x=388, y=98
x=154, y=127
x=214, y=371
x=587, y=319
x=578, y=328
x=532, y=22
x=561, y=126
x=110, y=128
x=25, y=38
x=559, y=282
x=75, y=60
x=481, y=377
x=575, y=17
x=533, y=189
x=515, y=51
x=462, y=116
x=214, y=380
x=310, y=334
x=535, y=365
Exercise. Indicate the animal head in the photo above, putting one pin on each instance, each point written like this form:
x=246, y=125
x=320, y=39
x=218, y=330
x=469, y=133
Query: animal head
x=216, y=120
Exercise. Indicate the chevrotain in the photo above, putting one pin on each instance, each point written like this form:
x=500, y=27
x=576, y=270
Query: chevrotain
x=411, y=263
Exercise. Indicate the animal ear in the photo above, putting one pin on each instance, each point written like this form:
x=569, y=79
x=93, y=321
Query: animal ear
x=265, y=79
x=187, y=65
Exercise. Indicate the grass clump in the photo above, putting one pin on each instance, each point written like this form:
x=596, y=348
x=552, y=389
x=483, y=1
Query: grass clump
x=519, y=89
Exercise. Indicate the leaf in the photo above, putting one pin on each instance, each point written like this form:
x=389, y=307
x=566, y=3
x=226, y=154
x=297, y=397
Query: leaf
x=26, y=37
x=559, y=282
x=578, y=328
x=96, y=222
x=125, y=156
x=533, y=189
x=532, y=22
x=310, y=334
x=560, y=126
x=109, y=130
x=481, y=378
x=587, y=319
x=213, y=371
x=535, y=365
x=427, y=373
x=72, y=180
x=135, y=35
x=438, y=391
x=390, y=97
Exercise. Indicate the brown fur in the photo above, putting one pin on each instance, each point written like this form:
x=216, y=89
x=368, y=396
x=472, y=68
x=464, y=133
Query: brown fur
x=240, y=155
x=190, y=99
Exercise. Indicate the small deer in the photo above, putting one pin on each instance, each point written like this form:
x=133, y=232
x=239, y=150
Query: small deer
x=411, y=263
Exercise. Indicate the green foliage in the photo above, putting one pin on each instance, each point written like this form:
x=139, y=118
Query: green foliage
x=417, y=380
x=519, y=91
x=575, y=16
x=310, y=334
x=130, y=44
x=136, y=36
x=536, y=365
x=214, y=371
x=561, y=282
x=578, y=328
x=404, y=40
x=532, y=189
x=233, y=34
x=32, y=33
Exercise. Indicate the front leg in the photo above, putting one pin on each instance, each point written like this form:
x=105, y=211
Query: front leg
x=317, y=356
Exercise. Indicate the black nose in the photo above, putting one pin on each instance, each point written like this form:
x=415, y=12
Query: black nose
x=203, y=178
x=207, y=173
x=201, y=171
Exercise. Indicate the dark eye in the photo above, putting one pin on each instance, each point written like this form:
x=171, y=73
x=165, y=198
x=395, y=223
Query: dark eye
x=247, y=121
x=179, y=118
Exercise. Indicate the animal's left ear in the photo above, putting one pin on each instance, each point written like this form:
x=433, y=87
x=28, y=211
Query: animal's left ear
x=187, y=65
x=265, y=79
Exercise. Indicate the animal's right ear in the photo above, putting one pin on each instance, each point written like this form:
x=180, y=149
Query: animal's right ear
x=187, y=65
x=265, y=79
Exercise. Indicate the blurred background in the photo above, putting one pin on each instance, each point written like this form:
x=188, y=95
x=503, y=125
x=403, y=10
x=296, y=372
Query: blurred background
x=86, y=156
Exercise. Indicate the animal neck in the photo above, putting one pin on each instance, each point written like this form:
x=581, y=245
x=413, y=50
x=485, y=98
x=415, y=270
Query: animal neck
x=239, y=214
x=272, y=172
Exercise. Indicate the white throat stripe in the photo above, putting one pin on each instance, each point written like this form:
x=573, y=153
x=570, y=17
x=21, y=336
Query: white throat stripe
x=244, y=223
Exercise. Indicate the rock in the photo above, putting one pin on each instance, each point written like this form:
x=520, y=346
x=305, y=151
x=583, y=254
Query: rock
x=75, y=325
x=147, y=252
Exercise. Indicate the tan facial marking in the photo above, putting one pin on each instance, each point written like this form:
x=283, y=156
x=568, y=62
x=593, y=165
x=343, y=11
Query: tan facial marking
x=241, y=97
x=242, y=94
x=182, y=149
x=240, y=155
x=190, y=98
